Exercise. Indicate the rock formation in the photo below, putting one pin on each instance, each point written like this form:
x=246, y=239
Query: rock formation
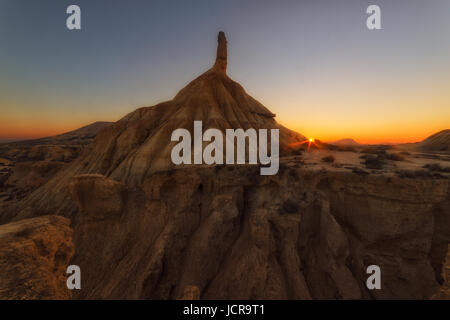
x=221, y=59
x=345, y=142
x=139, y=144
x=34, y=255
x=144, y=229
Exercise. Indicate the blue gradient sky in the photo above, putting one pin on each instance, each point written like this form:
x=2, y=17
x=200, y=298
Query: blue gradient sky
x=313, y=63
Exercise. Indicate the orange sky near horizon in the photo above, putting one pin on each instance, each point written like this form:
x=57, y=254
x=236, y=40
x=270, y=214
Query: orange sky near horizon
x=322, y=108
x=363, y=132
x=390, y=114
x=32, y=124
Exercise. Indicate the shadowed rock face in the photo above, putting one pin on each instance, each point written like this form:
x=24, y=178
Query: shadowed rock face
x=34, y=255
x=227, y=233
x=97, y=196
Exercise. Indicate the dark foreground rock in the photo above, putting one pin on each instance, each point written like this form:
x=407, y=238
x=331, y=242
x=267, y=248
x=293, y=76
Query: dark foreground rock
x=233, y=234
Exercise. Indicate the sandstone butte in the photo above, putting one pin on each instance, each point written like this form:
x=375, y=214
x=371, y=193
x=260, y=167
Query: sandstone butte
x=143, y=229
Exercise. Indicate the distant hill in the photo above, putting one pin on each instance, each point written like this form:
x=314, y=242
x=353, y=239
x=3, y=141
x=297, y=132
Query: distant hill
x=437, y=142
x=81, y=136
x=345, y=142
x=26, y=165
x=63, y=147
x=84, y=133
x=8, y=140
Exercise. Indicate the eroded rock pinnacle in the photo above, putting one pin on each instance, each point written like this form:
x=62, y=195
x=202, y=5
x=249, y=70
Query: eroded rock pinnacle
x=221, y=59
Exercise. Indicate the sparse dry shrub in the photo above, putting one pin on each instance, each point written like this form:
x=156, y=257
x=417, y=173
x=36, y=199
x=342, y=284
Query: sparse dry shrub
x=359, y=171
x=413, y=173
x=348, y=149
x=369, y=151
x=436, y=167
x=395, y=157
x=329, y=158
x=374, y=163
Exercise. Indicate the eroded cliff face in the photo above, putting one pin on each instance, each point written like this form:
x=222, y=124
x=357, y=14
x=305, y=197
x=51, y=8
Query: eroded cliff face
x=225, y=232
x=34, y=255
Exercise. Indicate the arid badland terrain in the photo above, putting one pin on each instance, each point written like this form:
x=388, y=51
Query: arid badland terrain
x=108, y=199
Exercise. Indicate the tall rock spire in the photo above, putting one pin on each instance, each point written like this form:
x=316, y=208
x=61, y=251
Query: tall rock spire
x=221, y=59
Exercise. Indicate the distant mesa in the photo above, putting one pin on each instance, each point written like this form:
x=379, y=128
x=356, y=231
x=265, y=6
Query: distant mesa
x=86, y=132
x=9, y=140
x=82, y=135
x=345, y=142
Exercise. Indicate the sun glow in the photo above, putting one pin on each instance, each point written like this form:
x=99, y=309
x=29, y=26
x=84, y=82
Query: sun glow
x=307, y=141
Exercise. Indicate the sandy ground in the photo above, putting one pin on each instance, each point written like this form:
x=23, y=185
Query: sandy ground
x=349, y=161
